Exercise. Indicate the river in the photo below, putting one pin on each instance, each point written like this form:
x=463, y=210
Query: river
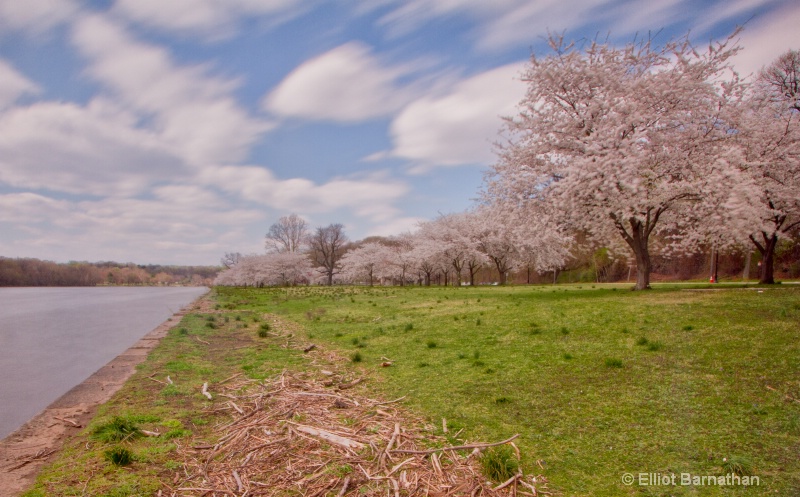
x=52, y=339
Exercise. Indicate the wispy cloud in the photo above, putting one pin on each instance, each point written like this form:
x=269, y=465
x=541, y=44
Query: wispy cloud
x=13, y=85
x=214, y=19
x=35, y=16
x=460, y=126
x=190, y=109
x=346, y=84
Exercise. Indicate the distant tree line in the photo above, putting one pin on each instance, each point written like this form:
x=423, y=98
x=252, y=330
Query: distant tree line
x=35, y=272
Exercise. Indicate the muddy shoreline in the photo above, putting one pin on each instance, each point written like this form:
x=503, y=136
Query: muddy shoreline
x=25, y=451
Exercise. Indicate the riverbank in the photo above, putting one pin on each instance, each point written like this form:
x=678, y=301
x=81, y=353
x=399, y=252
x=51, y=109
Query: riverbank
x=26, y=450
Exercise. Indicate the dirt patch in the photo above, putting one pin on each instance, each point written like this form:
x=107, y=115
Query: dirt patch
x=25, y=451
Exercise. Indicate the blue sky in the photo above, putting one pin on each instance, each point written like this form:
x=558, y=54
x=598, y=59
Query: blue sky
x=172, y=131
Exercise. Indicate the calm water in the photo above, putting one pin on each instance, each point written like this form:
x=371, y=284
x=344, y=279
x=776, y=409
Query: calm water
x=51, y=339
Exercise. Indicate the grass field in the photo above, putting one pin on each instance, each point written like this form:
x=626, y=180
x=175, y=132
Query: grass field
x=598, y=381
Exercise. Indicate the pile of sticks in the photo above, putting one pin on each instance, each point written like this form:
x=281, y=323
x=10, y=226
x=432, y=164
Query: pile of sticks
x=292, y=435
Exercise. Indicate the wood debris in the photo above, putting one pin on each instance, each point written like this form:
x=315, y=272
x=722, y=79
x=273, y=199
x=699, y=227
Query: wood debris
x=292, y=436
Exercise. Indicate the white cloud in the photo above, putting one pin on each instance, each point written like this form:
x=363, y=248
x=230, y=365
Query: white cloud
x=82, y=150
x=190, y=110
x=370, y=197
x=460, y=126
x=767, y=38
x=215, y=18
x=27, y=208
x=185, y=225
x=346, y=84
x=396, y=226
x=13, y=85
x=35, y=15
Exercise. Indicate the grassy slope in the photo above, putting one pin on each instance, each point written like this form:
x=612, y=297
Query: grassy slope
x=539, y=361
x=535, y=361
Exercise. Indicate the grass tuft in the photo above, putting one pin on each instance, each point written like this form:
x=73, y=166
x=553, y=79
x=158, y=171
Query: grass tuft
x=499, y=463
x=119, y=456
x=654, y=346
x=116, y=430
x=739, y=465
x=613, y=363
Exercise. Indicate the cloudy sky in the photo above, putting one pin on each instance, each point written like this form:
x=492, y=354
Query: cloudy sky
x=172, y=131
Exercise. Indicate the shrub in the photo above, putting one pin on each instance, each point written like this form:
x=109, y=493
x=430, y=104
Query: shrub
x=356, y=357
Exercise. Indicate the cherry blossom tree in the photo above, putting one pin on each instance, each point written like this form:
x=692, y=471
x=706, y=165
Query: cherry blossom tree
x=327, y=248
x=425, y=255
x=402, y=259
x=511, y=238
x=450, y=235
x=622, y=142
x=272, y=269
x=366, y=263
x=765, y=205
x=287, y=235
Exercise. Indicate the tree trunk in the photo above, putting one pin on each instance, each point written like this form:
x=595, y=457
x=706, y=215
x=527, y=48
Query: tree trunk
x=767, y=250
x=502, y=269
x=637, y=239
x=642, y=253
x=714, y=266
x=330, y=278
x=746, y=272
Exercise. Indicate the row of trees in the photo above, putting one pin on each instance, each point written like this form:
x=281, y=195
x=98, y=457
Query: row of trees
x=628, y=150
x=451, y=249
x=35, y=272
x=640, y=144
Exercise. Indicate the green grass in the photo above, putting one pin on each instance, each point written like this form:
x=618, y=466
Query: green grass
x=603, y=381
x=705, y=385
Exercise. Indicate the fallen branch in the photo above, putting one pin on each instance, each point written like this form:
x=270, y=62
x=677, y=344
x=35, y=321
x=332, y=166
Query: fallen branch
x=390, y=402
x=351, y=384
x=328, y=436
x=204, y=391
x=344, y=487
x=238, y=479
x=508, y=482
x=456, y=447
x=73, y=423
x=201, y=340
